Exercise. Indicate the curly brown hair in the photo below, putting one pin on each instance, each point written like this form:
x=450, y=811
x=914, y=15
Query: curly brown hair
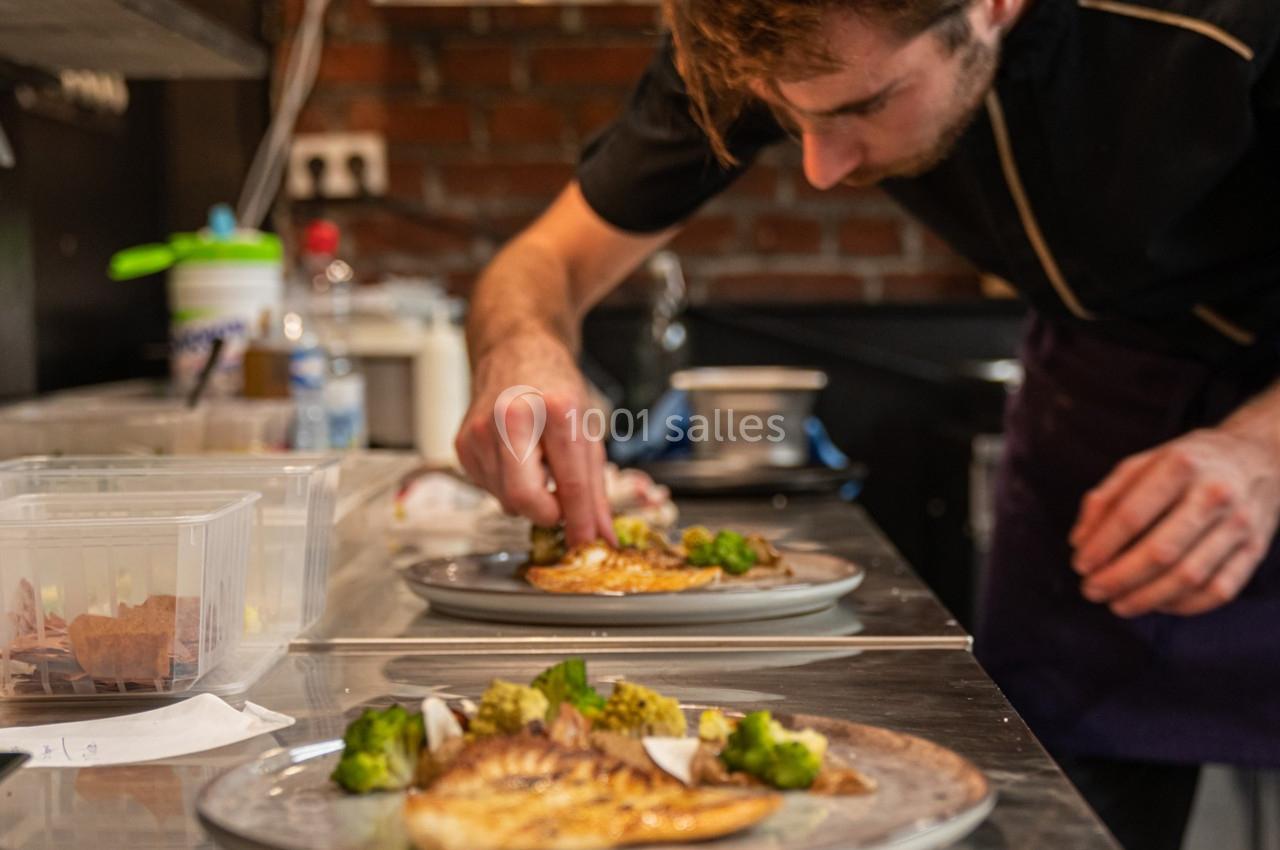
x=723, y=45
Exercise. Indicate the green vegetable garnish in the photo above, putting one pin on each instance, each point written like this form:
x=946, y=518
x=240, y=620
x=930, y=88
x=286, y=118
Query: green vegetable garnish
x=728, y=549
x=733, y=553
x=639, y=711
x=506, y=708
x=761, y=747
x=697, y=542
x=567, y=682
x=381, y=752
x=632, y=532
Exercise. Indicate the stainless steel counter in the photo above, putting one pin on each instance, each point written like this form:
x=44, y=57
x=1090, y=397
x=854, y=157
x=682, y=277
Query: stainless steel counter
x=369, y=602
x=889, y=655
x=942, y=695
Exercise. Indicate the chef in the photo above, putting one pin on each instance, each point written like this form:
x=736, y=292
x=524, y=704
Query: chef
x=1119, y=163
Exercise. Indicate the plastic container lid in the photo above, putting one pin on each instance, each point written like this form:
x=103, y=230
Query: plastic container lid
x=247, y=246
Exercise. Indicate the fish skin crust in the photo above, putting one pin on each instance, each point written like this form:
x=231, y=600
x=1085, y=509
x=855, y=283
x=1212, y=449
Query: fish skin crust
x=597, y=569
x=526, y=792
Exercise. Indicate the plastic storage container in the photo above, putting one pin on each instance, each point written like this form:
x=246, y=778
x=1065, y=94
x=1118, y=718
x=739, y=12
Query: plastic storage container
x=116, y=593
x=223, y=283
x=125, y=426
x=289, y=557
x=247, y=425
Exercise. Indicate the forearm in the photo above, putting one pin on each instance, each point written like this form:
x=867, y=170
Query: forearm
x=541, y=285
x=525, y=292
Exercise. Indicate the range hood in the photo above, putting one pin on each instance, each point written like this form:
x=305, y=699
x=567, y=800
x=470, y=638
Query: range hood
x=142, y=39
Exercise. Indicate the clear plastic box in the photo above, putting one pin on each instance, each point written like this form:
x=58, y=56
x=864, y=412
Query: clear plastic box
x=100, y=426
x=117, y=593
x=292, y=523
x=247, y=425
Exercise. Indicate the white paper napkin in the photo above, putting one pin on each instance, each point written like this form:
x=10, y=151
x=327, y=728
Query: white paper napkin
x=194, y=725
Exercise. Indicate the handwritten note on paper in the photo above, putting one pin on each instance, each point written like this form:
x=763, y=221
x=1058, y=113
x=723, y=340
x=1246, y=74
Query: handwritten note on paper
x=201, y=723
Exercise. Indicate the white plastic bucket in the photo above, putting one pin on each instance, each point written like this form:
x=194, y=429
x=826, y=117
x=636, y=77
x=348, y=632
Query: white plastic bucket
x=235, y=300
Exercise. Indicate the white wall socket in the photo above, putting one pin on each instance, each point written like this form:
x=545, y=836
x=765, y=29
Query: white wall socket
x=335, y=150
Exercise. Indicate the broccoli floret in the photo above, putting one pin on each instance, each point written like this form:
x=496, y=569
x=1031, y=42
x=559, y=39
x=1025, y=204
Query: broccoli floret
x=567, y=682
x=713, y=726
x=546, y=545
x=381, y=752
x=733, y=553
x=793, y=765
x=632, y=532
x=639, y=712
x=506, y=708
x=761, y=747
x=728, y=549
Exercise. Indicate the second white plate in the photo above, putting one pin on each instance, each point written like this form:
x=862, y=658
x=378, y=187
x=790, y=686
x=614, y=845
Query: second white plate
x=487, y=587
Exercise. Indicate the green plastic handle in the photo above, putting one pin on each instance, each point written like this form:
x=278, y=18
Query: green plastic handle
x=141, y=261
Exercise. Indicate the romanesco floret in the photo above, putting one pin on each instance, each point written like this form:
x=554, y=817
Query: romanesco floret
x=696, y=541
x=639, y=712
x=506, y=708
x=761, y=747
x=632, y=532
x=381, y=751
x=713, y=726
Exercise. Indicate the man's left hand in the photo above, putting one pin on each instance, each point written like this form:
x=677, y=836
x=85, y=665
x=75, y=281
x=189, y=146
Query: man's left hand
x=1181, y=528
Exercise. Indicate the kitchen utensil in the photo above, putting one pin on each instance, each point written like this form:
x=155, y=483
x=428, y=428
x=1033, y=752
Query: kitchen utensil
x=753, y=413
x=202, y=380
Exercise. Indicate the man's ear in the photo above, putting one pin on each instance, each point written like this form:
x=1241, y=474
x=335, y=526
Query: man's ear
x=992, y=17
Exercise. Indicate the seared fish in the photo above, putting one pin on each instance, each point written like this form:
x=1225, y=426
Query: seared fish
x=601, y=569
x=527, y=792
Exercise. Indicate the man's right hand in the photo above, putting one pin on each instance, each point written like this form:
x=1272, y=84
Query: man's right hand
x=526, y=310
x=517, y=470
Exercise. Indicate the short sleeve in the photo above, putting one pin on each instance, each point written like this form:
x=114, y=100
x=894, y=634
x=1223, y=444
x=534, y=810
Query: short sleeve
x=654, y=166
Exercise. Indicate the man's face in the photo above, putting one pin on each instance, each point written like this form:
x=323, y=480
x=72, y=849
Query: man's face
x=894, y=108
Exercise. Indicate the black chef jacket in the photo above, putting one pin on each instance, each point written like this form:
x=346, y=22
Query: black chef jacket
x=1125, y=177
x=1125, y=174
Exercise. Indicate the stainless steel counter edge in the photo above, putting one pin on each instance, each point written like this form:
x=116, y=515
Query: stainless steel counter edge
x=490, y=646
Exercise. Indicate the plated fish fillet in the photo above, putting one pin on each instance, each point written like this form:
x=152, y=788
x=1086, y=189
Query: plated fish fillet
x=526, y=792
x=598, y=568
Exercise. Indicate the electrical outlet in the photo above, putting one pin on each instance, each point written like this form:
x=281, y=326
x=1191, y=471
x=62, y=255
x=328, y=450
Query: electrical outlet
x=321, y=165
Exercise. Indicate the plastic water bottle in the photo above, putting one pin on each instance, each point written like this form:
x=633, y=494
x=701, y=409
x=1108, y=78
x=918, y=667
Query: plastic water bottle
x=344, y=402
x=333, y=280
x=308, y=364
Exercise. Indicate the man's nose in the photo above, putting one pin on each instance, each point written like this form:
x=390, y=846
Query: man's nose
x=828, y=160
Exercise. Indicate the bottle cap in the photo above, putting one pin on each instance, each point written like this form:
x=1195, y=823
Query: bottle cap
x=321, y=237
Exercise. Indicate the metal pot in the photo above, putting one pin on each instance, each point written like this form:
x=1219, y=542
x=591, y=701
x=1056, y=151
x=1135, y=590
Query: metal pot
x=754, y=415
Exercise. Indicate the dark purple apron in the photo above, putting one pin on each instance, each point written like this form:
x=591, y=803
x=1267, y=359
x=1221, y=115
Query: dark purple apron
x=1156, y=688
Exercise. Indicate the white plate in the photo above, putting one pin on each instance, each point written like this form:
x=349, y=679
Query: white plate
x=927, y=797
x=486, y=587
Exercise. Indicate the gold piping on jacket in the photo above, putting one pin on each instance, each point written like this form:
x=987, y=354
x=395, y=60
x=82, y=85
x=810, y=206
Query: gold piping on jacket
x=1195, y=25
x=1227, y=328
x=1029, y=223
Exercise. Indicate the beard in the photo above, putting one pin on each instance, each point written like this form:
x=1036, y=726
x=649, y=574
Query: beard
x=978, y=63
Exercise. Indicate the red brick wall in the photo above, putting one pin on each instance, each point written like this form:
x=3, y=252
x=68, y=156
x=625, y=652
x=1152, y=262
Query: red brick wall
x=484, y=110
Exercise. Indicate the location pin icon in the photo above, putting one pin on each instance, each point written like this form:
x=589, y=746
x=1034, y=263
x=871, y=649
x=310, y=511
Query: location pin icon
x=533, y=398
